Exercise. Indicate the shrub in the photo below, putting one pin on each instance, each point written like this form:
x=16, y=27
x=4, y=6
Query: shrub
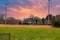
x=56, y=23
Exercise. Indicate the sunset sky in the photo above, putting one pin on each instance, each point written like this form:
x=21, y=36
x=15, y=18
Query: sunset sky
x=20, y=9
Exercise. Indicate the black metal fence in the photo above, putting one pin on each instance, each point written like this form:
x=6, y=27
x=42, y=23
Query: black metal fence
x=4, y=36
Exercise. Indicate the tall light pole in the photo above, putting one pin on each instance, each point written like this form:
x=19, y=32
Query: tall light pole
x=6, y=11
x=48, y=10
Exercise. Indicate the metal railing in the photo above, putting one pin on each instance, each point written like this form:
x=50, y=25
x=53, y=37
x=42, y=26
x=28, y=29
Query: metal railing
x=4, y=36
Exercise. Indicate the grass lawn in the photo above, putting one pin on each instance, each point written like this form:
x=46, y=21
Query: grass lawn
x=20, y=33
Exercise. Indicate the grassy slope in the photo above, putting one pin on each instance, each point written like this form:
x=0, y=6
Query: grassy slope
x=33, y=33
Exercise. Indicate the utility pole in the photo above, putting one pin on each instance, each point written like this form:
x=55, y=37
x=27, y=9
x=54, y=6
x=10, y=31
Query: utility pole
x=6, y=11
x=48, y=10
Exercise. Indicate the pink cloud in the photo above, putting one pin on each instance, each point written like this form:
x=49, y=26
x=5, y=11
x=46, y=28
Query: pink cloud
x=57, y=6
x=37, y=8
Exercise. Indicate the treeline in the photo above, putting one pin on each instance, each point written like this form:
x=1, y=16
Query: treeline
x=9, y=20
x=40, y=21
x=32, y=20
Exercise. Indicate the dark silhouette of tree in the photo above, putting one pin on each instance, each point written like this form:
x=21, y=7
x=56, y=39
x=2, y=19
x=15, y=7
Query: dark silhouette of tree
x=32, y=20
x=43, y=21
x=20, y=21
x=11, y=20
x=32, y=16
x=56, y=24
x=1, y=18
x=53, y=19
x=58, y=17
x=49, y=16
x=37, y=20
x=56, y=21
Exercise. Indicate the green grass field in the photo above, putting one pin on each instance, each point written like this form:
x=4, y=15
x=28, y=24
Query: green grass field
x=32, y=33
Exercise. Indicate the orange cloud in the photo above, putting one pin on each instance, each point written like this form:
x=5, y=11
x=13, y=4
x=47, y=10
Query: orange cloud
x=35, y=7
x=25, y=12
